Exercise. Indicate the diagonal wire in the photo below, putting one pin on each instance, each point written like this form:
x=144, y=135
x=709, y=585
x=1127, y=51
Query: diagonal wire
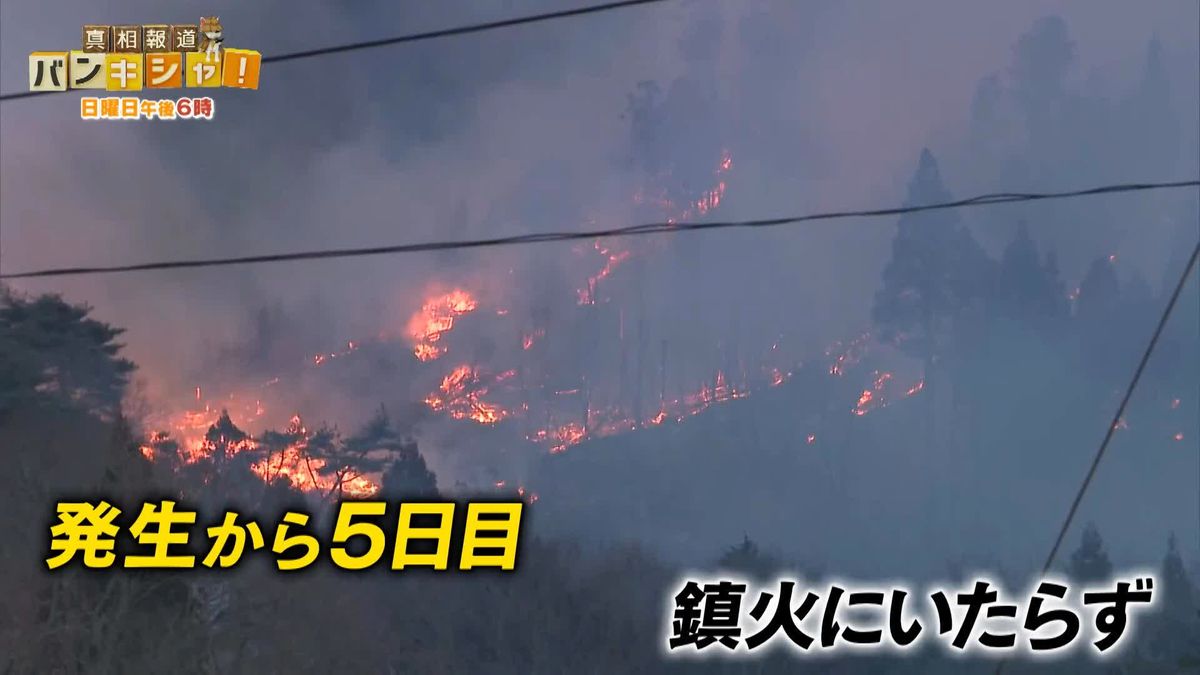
x=1116, y=419
x=632, y=230
x=1120, y=412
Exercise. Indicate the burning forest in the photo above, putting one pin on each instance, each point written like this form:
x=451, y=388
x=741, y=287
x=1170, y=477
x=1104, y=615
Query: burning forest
x=527, y=391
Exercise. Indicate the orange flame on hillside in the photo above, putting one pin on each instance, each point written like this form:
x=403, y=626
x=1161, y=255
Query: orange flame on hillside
x=189, y=430
x=470, y=391
x=587, y=294
x=847, y=354
x=875, y=397
x=435, y=319
x=320, y=359
x=708, y=200
x=528, y=340
x=303, y=471
x=461, y=396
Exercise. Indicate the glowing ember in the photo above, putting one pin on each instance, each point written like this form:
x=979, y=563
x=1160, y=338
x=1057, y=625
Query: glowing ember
x=609, y=422
x=201, y=434
x=528, y=340
x=587, y=295
x=876, y=397
x=812, y=438
x=872, y=398
x=461, y=396
x=567, y=435
x=189, y=427
x=306, y=473
x=848, y=354
x=707, y=201
x=319, y=359
x=1178, y=436
x=435, y=319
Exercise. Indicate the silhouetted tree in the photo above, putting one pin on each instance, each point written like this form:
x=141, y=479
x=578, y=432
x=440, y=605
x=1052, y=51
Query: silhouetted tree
x=287, y=450
x=406, y=474
x=937, y=270
x=748, y=559
x=1099, y=292
x=368, y=451
x=1104, y=345
x=1026, y=288
x=1042, y=60
x=1174, y=629
x=1089, y=563
x=1179, y=595
x=224, y=439
x=1183, y=240
x=1054, y=279
x=671, y=137
x=52, y=350
x=1154, y=143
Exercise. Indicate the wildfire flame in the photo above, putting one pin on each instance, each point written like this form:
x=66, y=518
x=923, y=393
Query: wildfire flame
x=848, y=354
x=320, y=359
x=707, y=201
x=461, y=396
x=875, y=397
x=529, y=339
x=190, y=432
x=471, y=391
x=435, y=319
x=587, y=294
x=304, y=472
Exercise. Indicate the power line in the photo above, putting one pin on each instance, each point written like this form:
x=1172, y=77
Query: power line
x=415, y=37
x=1120, y=413
x=631, y=230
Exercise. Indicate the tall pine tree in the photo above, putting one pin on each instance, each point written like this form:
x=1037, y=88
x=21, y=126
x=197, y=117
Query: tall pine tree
x=1178, y=591
x=51, y=350
x=1099, y=293
x=936, y=272
x=1026, y=288
x=405, y=474
x=1089, y=563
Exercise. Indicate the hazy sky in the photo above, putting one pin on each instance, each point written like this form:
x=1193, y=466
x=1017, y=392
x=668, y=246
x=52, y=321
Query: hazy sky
x=823, y=104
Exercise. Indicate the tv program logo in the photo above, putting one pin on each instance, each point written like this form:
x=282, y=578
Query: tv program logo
x=134, y=58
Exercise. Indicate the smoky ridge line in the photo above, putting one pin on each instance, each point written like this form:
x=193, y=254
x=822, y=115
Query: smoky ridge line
x=631, y=230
